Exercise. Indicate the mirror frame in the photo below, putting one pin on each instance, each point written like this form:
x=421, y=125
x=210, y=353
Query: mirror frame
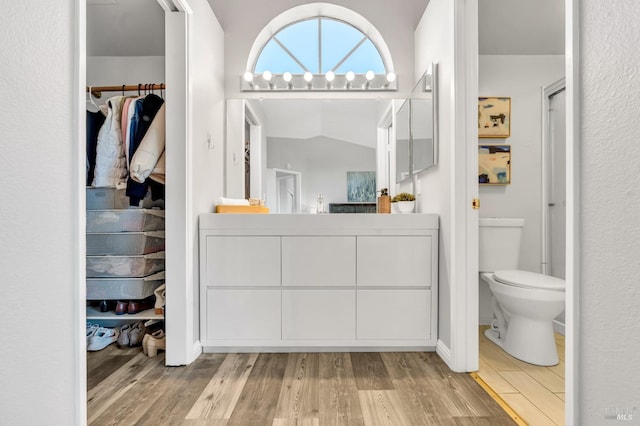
x=425, y=89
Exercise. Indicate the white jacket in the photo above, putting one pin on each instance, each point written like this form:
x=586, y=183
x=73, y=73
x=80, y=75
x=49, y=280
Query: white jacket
x=111, y=164
x=148, y=160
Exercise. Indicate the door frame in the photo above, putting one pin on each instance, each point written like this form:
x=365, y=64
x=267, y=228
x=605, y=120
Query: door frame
x=298, y=184
x=572, y=279
x=179, y=304
x=547, y=93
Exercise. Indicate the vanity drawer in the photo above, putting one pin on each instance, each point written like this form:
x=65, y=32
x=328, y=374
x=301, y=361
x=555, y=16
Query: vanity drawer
x=242, y=261
x=318, y=314
x=243, y=314
x=399, y=260
x=394, y=314
x=319, y=261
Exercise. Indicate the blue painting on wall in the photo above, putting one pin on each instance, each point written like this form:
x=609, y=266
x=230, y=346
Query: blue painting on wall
x=361, y=186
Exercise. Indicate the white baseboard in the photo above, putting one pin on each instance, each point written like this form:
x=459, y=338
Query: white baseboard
x=445, y=353
x=558, y=327
x=195, y=352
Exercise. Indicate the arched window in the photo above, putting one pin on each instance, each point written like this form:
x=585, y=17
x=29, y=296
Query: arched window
x=319, y=53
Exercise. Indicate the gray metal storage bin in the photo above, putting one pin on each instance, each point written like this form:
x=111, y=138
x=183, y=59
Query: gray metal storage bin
x=131, y=220
x=125, y=243
x=124, y=266
x=105, y=198
x=123, y=288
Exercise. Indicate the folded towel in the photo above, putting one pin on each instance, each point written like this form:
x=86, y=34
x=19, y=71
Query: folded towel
x=233, y=201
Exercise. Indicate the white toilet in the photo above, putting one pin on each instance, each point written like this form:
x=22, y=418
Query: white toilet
x=524, y=303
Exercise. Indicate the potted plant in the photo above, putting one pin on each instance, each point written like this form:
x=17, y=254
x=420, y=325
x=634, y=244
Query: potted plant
x=404, y=202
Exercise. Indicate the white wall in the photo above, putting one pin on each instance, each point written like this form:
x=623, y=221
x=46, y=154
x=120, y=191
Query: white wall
x=521, y=78
x=41, y=267
x=206, y=129
x=434, y=42
x=118, y=70
x=240, y=36
x=323, y=163
x=609, y=249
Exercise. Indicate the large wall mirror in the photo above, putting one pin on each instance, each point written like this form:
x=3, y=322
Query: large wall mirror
x=299, y=148
x=417, y=128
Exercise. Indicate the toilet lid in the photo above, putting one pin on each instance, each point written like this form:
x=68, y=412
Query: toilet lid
x=529, y=280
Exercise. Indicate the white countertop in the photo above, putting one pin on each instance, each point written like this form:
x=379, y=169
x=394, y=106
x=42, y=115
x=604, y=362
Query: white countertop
x=314, y=223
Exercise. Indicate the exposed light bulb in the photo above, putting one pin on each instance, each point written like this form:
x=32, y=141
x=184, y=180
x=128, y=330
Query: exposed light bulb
x=330, y=75
x=267, y=75
x=350, y=76
x=391, y=77
x=308, y=77
x=287, y=76
x=248, y=76
x=369, y=75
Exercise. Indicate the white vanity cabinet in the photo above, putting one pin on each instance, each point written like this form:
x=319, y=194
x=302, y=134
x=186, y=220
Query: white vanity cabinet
x=318, y=282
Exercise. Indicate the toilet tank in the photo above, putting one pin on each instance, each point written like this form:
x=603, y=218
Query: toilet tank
x=500, y=243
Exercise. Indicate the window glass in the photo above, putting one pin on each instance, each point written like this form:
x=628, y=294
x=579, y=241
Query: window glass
x=304, y=52
x=301, y=39
x=273, y=58
x=338, y=39
x=365, y=58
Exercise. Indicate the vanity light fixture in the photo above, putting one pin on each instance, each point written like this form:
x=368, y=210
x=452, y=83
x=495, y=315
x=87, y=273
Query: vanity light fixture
x=329, y=76
x=287, y=77
x=248, y=77
x=391, y=77
x=349, y=76
x=267, y=76
x=263, y=81
x=369, y=76
x=308, y=77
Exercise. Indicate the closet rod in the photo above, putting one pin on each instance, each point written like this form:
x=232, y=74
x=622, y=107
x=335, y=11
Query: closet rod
x=96, y=90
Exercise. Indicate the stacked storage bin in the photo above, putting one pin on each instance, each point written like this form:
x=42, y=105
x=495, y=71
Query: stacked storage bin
x=125, y=252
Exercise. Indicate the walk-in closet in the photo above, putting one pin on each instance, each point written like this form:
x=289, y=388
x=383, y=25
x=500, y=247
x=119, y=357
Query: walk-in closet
x=125, y=168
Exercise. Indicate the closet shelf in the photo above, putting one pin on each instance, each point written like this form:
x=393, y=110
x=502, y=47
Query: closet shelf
x=95, y=314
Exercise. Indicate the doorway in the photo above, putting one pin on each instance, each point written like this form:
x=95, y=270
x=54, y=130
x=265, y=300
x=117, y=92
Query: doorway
x=554, y=186
x=555, y=165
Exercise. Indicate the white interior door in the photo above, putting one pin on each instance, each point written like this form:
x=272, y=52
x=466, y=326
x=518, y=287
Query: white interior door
x=286, y=194
x=556, y=205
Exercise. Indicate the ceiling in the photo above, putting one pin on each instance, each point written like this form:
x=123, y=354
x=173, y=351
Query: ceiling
x=506, y=27
x=348, y=120
x=125, y=28
x=521, y=27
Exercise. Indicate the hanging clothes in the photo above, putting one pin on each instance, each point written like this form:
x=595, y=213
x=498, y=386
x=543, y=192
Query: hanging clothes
x=95, y=120
x=143, y=116
x=148, y=159
x=111, y=167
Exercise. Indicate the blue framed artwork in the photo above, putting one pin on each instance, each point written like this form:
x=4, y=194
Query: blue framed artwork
x=361, y=186
x=494, y=164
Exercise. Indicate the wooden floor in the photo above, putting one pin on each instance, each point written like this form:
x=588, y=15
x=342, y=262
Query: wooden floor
x=125, y=387
x=535, y=393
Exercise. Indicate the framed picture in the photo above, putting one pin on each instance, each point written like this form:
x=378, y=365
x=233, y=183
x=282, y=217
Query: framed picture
x=361, y=186
x=494, y=117
x=494, y=164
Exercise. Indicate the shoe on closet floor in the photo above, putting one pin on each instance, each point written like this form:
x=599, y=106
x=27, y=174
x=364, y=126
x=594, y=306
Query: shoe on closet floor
x=91, y=330
x=153, y=342
x=102, y=338
x=137, y=333
x=123, y=338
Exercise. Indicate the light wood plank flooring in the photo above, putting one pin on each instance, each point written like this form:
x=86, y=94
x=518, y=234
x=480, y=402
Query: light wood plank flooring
x=309, y=389
x=535, y=393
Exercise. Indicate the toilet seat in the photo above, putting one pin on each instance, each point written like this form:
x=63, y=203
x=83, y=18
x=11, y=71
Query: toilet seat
x=526, y=279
